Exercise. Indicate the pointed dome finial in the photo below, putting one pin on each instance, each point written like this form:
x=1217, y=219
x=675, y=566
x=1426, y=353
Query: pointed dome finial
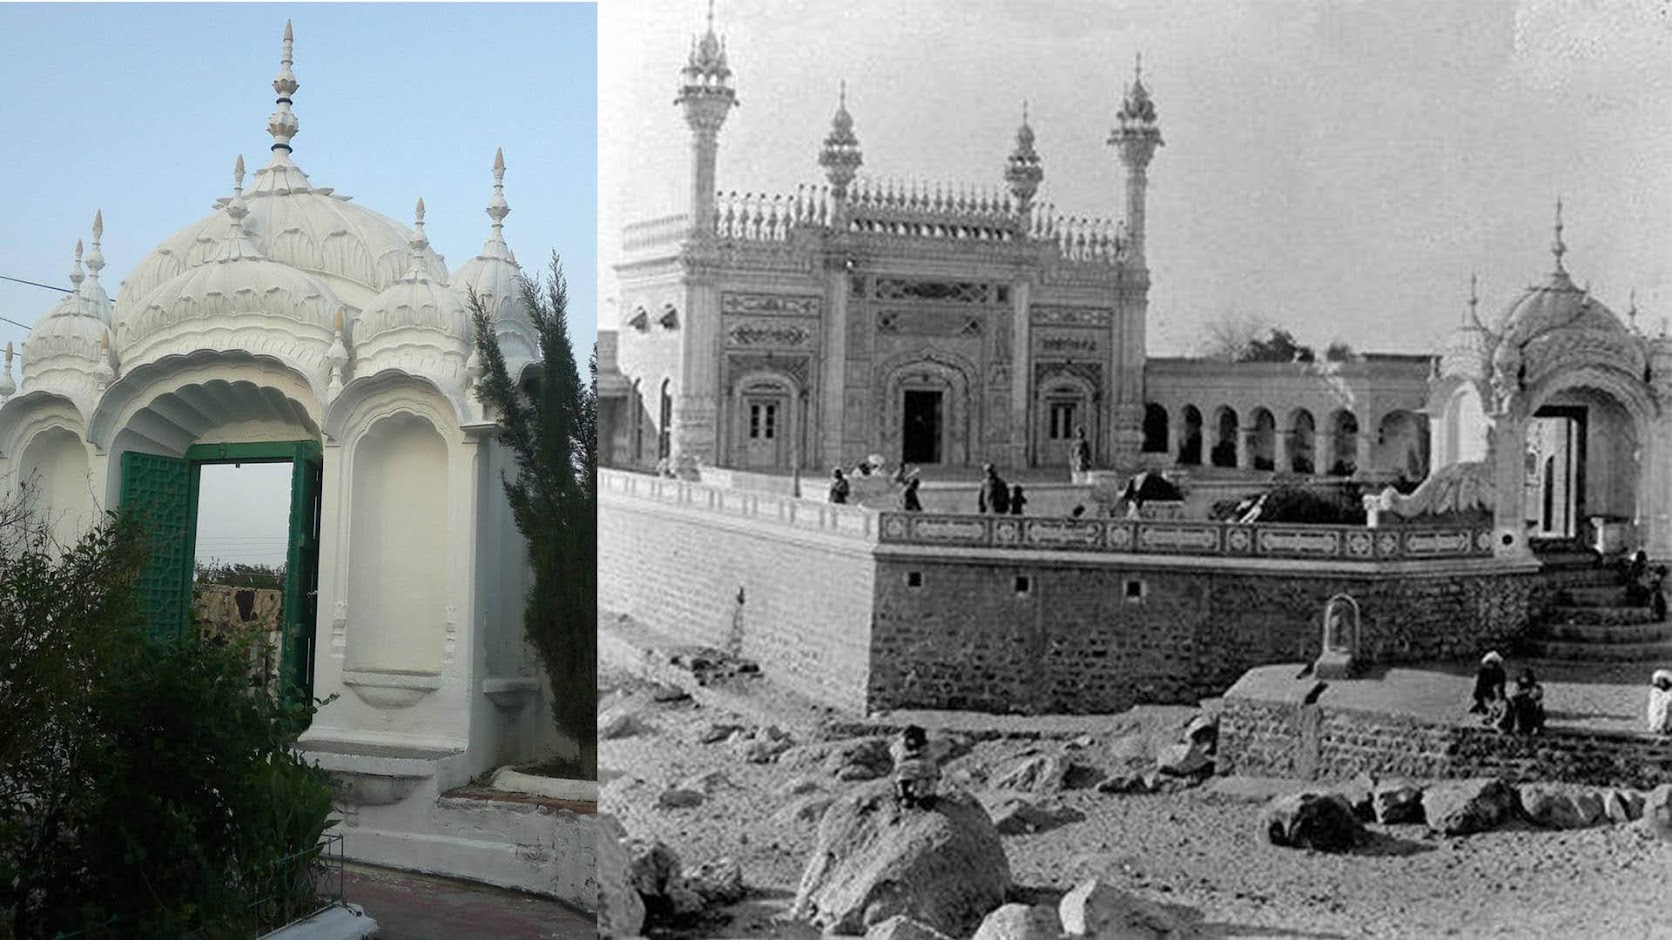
x=95, y=256
x=281, y=123
x=840, y=156
x=420, y=241
x=76, y=277
x=1558, y=247
x=1024, y=169
x=498, y=208
x=238, y=176
x=1474, y=300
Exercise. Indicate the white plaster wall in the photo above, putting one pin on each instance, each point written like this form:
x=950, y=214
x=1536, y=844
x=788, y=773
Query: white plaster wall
x=398, y=580
x=54, y=465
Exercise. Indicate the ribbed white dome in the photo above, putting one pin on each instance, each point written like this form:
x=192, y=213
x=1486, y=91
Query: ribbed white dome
x=416, y=325
x=354, y=250
x=496, y=278
x=68, y=351
x=235, y=299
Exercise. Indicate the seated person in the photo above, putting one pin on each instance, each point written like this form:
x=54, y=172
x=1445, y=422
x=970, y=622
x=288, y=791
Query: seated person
x=1524, y=711
x=1490, y=679
x=1660, y=702
x=915, y=772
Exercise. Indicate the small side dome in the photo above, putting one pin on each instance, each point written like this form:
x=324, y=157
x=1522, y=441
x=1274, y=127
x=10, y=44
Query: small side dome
x=236, y=300
x=495, y=277
x=68, y=351
x=416, y=325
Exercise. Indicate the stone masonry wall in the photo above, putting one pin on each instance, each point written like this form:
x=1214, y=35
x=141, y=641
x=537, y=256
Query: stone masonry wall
x=1325, y=743
x=806, y=610
x=1051, y=635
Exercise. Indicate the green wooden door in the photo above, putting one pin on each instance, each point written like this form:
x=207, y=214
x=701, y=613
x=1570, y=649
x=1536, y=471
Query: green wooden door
x=301, y=582
x=159, y=488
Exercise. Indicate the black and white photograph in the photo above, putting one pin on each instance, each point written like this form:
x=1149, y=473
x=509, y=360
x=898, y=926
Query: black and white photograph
x=1131, y=469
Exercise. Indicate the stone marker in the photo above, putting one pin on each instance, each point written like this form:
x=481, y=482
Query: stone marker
x=943, y=865
x=1020, y=922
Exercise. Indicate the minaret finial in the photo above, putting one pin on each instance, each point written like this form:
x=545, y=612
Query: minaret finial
x=76, y=277
x=281, y=123
x=498, y=208
x=1474, y=300
x=840, y=156
x=95, y=255
x=420, y=241
x=1559, y=248
x=1138, y=67
x=238, y=177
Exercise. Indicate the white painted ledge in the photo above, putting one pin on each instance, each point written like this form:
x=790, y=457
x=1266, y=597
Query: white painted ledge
x=334, y=923
x=551, y=788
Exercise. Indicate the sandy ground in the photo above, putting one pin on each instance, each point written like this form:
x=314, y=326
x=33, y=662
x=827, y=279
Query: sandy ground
x=1199, y=849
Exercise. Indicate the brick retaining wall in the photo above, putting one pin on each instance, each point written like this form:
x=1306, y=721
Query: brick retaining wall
x=1273, y=737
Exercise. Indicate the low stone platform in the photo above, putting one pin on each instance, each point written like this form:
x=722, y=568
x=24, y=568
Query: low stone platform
x=1414, y=722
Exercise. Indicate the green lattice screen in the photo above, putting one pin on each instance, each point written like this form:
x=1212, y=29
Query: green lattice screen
x=160, y=489
x=301, y=583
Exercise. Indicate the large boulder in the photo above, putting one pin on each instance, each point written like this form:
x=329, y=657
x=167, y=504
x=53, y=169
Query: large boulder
x=1098, y=909
x=1560, y=808
x=718, y=881
x=1015, y=815
x=1463, y=807
x=1020, y=922
x=1396, y=801
x=1657, y=811
x=1360, y=793
x=1322, y=821
x=620, y=909
x=1622, y=806
x=942, y=865
x=900, y=927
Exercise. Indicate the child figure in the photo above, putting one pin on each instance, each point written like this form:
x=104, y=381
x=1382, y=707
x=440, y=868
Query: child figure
x=915, y=773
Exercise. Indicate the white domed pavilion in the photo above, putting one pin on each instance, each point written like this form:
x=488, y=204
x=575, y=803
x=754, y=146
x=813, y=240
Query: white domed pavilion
x=293, y=325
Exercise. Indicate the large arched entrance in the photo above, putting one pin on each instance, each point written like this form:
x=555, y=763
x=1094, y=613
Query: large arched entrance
x=1580, y=464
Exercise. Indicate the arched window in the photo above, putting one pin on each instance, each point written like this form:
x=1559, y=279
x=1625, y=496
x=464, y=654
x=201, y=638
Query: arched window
x=1225, y=438
x=1345, y=462
x=1264, y=440
x=1155, y=429
x=1303, y=442
x=1190, y=448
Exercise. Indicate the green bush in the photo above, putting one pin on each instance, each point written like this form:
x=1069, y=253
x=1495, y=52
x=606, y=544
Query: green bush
x=147, y=789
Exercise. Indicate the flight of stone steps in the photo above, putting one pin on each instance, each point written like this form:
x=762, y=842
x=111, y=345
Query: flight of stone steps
x=1592, y=621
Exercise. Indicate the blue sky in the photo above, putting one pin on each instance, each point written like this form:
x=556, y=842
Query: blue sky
x=140, y=110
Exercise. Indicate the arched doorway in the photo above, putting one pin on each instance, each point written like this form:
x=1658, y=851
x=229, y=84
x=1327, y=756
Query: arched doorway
x=1262, y=441
x=1065, y=406
x=1225, y=437
x=1303, y=436
x=664, y=423
x=1190, y=443
x=765, y=428
x=1155, y=429
x=1344, y=431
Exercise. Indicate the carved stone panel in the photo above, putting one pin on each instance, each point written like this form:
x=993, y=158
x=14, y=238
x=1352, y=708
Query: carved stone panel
x=787, y=305
x=770, y=333
x=928, y=322
x=1052, y=315
x=797, y=368
x=1057, y=343
x=1091, y=372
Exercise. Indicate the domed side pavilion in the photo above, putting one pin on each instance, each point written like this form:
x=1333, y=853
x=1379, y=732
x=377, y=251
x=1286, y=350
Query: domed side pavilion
x=292, y=325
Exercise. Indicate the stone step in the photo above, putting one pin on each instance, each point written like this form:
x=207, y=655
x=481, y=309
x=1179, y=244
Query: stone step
x=1599, y=616
x=1602, y=595
x=1607, y=633
x=1649, y=654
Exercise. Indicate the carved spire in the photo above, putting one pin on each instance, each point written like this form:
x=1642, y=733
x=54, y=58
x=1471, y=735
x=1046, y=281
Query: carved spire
x=419, y=240
x=7, y=386
x=95, y=257
x=1024, y=170
x=1631, y=313
x=1472, y=318
x=76, y=277
x=1135, y=137
x=706, y=78
x=238, y=177
x=498, y=208
x=840, y=156
x=281, y=123
x=1558, y=247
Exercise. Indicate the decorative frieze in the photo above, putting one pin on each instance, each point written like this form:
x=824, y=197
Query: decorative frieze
x=762, y=332
x=1053, y=315
x=787, y=305
x=930, y=322
x=962, y=292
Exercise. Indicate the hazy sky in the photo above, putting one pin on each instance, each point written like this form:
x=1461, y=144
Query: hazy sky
x=140, y=110
x=1340, y=168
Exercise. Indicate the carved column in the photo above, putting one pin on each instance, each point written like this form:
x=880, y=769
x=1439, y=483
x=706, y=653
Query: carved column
x=831, y=417
x=695, y=405
x=1366, y=441
x=1021, y=374
x=1280, y=450
x=1509, y=477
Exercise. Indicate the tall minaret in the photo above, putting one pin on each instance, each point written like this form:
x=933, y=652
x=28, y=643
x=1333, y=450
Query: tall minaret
x=840, y=156
x=1135, y=137
x=706, y=95
x=1024, y=170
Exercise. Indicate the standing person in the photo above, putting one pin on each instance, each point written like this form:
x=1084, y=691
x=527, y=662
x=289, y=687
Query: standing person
x=908, y=496
x=1079, y=455
x=1660, y=702
x=994, y=495
x=1490, y=680
x=838, y=486
x=1017, y=500
x=1524, y=712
